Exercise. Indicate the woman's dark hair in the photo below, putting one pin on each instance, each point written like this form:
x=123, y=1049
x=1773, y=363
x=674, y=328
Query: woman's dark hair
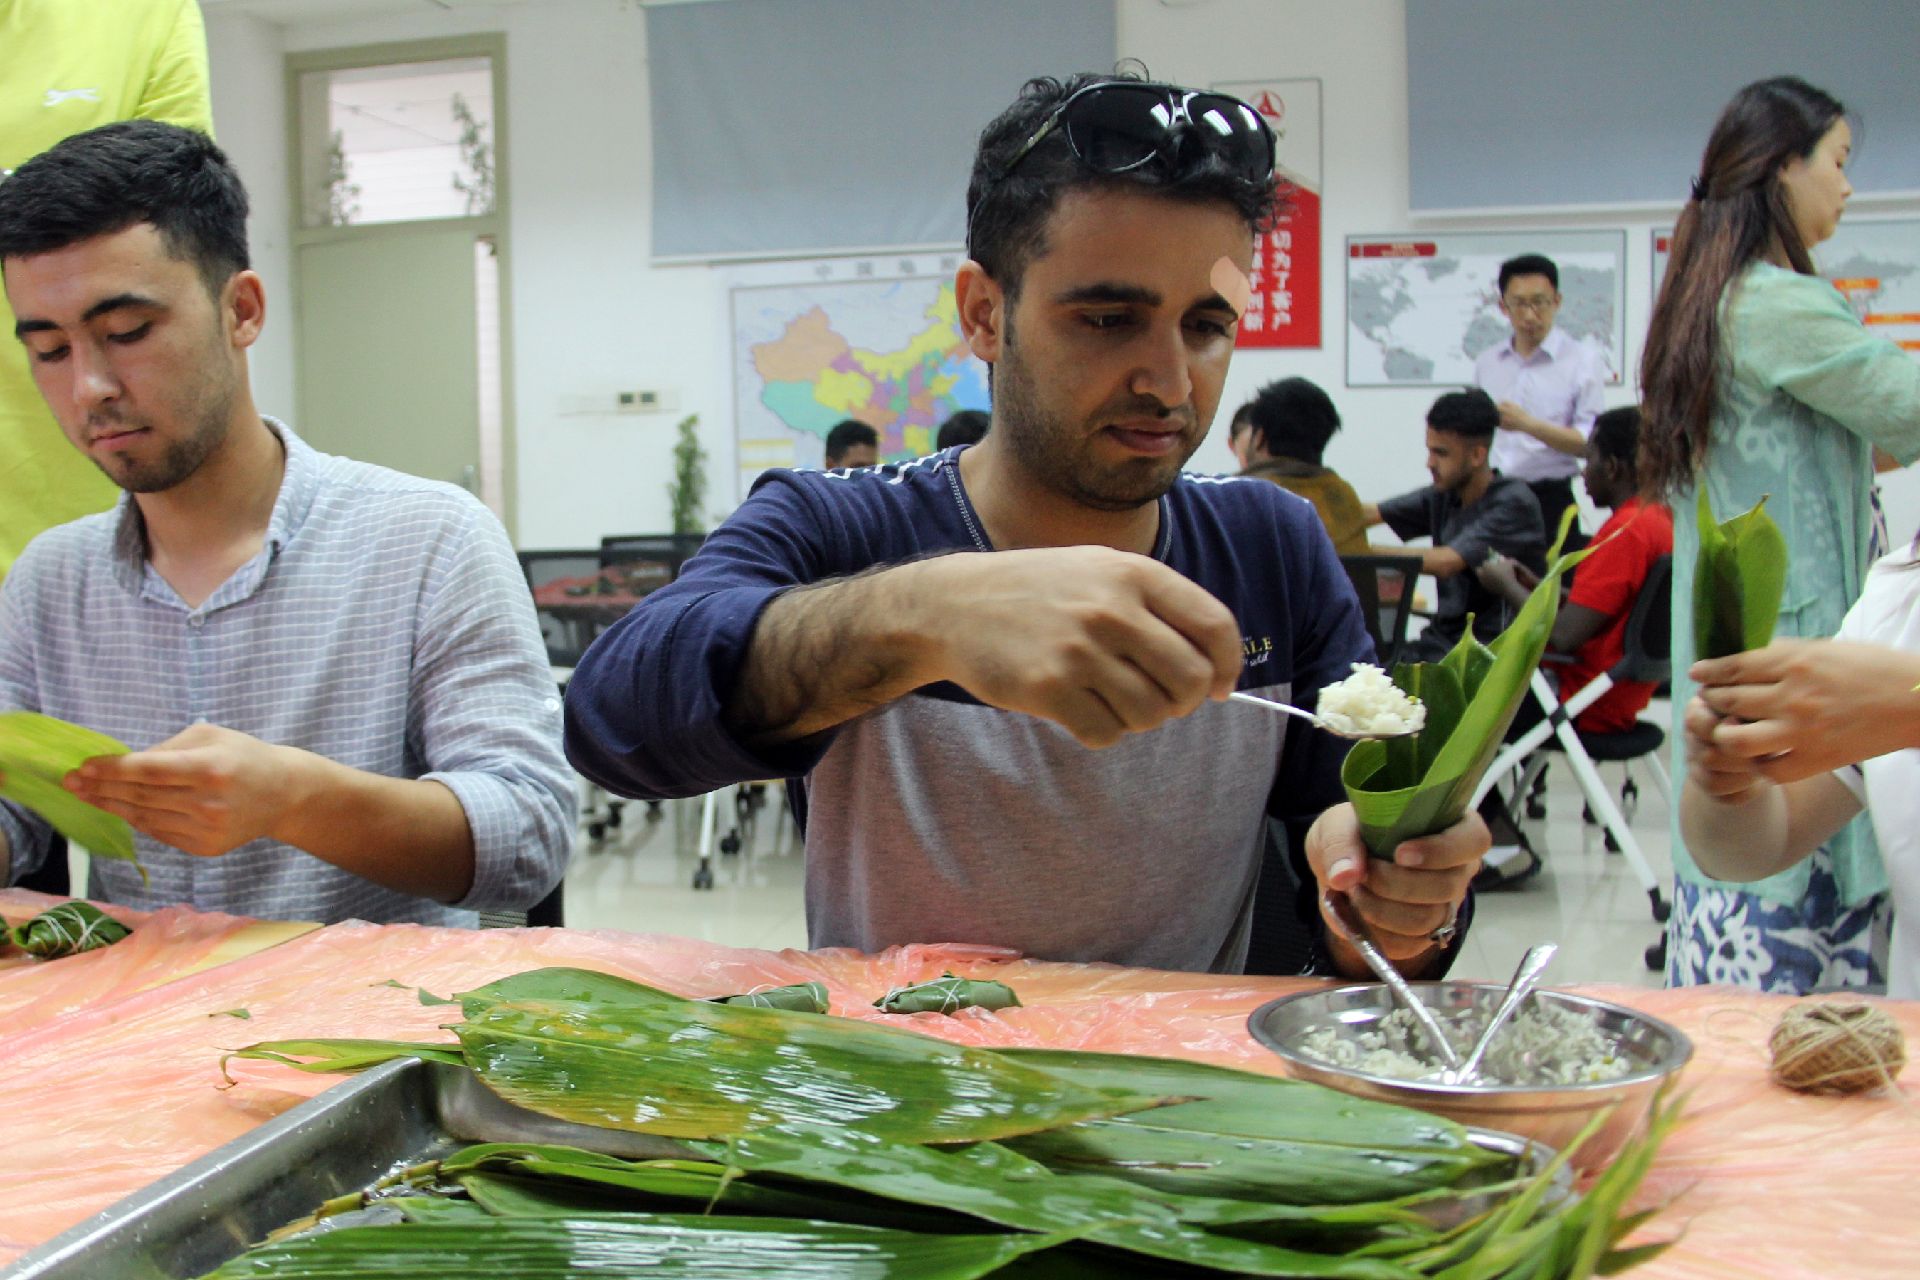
x=1738, y=213
x=1293, y=418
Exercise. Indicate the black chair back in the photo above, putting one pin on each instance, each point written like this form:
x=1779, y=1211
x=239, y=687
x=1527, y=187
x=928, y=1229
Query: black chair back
x=1385, y=587
x=1648, y=642
x=668, y=550
x=578, y=593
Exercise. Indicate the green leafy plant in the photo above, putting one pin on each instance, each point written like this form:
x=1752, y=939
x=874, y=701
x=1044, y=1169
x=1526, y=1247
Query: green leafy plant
x=476, y=160
x=688, y=492
x=1738, y=580
x=343, y=195
x=1408, y=787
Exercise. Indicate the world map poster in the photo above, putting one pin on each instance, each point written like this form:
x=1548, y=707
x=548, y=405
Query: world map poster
x=1874, y=264
x=874, y=339
x=1422, y=307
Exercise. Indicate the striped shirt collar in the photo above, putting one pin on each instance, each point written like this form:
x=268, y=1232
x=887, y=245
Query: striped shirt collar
x=297, y=488
x=1553, y=346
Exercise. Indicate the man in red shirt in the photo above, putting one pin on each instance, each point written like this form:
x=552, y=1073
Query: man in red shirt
x=1592, y=623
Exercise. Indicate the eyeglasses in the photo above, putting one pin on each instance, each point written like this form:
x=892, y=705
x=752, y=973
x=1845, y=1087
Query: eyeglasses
x=1544, y=302
x=1115, y=126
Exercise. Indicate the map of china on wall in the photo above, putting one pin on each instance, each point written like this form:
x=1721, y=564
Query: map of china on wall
x=1422, y=307
x=877, y=339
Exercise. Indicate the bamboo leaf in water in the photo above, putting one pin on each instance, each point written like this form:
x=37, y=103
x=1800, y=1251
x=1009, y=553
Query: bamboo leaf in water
x=636, y=1058
x=654, y=1247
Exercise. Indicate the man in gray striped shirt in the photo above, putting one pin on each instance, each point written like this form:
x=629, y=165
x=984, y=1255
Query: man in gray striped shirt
x=330, y=673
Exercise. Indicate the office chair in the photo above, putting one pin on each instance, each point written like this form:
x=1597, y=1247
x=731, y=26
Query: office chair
x=1647, y=658
x=1384, y=584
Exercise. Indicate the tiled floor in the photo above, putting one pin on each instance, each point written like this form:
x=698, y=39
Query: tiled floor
x=641, y=879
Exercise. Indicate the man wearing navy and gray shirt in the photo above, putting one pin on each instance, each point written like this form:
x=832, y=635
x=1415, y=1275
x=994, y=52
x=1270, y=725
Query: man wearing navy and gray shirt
x=1000, y=672
x=330, y=673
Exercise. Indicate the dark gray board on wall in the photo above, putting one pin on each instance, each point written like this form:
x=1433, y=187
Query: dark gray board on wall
x=1518, y=104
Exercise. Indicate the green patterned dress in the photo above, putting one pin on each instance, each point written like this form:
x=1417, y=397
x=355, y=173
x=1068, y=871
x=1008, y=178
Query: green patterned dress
x=1808, y=394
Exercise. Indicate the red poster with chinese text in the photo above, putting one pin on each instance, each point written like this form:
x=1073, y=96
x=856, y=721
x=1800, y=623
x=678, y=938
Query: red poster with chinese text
x=1284, y=310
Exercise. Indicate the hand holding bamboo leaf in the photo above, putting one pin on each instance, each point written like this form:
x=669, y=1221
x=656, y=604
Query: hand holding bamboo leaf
x=36, y=754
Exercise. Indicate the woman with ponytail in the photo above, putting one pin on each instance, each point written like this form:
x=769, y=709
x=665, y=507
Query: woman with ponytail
x=1759, y=381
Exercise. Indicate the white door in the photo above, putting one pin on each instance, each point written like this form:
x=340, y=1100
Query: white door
x=389, y=367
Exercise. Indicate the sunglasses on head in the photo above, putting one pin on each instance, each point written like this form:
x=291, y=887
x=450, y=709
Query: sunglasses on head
x=1115, y=126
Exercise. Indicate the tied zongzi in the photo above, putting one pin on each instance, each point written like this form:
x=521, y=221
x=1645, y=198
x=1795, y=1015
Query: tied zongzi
x=948, y=994
x=68, y=929
x=801, y=997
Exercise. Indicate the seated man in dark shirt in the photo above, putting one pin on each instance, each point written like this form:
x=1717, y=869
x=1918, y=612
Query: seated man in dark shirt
x=1001, y=672
x=1470, y=511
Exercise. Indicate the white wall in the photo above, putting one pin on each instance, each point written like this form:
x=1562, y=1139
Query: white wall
x=250, y=122
x=589, y=315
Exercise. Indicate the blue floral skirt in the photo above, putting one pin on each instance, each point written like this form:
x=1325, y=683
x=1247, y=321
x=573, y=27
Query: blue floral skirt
x=1727, y=936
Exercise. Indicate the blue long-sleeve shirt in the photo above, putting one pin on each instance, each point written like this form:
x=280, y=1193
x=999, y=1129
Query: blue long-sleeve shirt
x=938, y=818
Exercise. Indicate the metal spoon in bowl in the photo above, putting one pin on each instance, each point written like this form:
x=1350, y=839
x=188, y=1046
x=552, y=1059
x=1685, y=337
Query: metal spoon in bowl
x=1347, y=923
x=1311, y=718
x=1525, y=978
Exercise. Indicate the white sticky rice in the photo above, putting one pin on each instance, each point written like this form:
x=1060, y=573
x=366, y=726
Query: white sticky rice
x=1543, y=1045
x=1369, y=702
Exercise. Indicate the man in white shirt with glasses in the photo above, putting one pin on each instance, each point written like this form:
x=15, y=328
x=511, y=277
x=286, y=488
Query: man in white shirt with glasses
x=1547, y=386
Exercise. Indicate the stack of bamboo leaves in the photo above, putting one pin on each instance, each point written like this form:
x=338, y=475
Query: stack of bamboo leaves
x=823, y=1146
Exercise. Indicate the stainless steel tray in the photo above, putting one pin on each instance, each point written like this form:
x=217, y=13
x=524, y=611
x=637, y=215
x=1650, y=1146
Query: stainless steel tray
x=398, y=1114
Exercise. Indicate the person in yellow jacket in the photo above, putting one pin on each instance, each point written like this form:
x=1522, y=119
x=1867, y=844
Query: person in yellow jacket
x=67, y=66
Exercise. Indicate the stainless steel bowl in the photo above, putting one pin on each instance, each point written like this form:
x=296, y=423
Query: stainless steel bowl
x=1553, y=1114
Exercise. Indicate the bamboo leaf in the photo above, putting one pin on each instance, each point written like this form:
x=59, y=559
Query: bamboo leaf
x=36, y=753
x=1739, y=578
x=344, y=1057
x=997, y=1185
x=690, y=1069
x=1227, y=1100
x=1392, y=811
x=655, y=1247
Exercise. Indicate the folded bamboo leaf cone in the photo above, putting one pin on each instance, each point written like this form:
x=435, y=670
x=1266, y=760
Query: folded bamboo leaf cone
x=1825, y=1047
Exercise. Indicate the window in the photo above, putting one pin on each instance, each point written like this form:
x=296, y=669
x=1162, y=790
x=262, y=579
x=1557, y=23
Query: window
x=397, y=143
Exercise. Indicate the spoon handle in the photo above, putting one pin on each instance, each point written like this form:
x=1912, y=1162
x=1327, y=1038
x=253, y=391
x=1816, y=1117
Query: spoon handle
x=1271, y=705
x=1347, y=924
x=1525, y=978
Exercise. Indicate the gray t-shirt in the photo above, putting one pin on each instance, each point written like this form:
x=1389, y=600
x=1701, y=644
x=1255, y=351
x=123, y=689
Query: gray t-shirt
x=1505, y=519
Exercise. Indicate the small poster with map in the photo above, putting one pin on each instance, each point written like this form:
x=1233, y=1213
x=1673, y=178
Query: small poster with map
x=872, y=338
x=1875, y=264
x=1421, y=307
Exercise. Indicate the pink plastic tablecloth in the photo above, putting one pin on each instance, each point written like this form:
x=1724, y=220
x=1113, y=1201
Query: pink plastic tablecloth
x=125, y=1085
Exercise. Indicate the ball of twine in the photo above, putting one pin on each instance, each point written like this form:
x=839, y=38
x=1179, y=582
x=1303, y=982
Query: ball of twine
x=1825, y=1047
